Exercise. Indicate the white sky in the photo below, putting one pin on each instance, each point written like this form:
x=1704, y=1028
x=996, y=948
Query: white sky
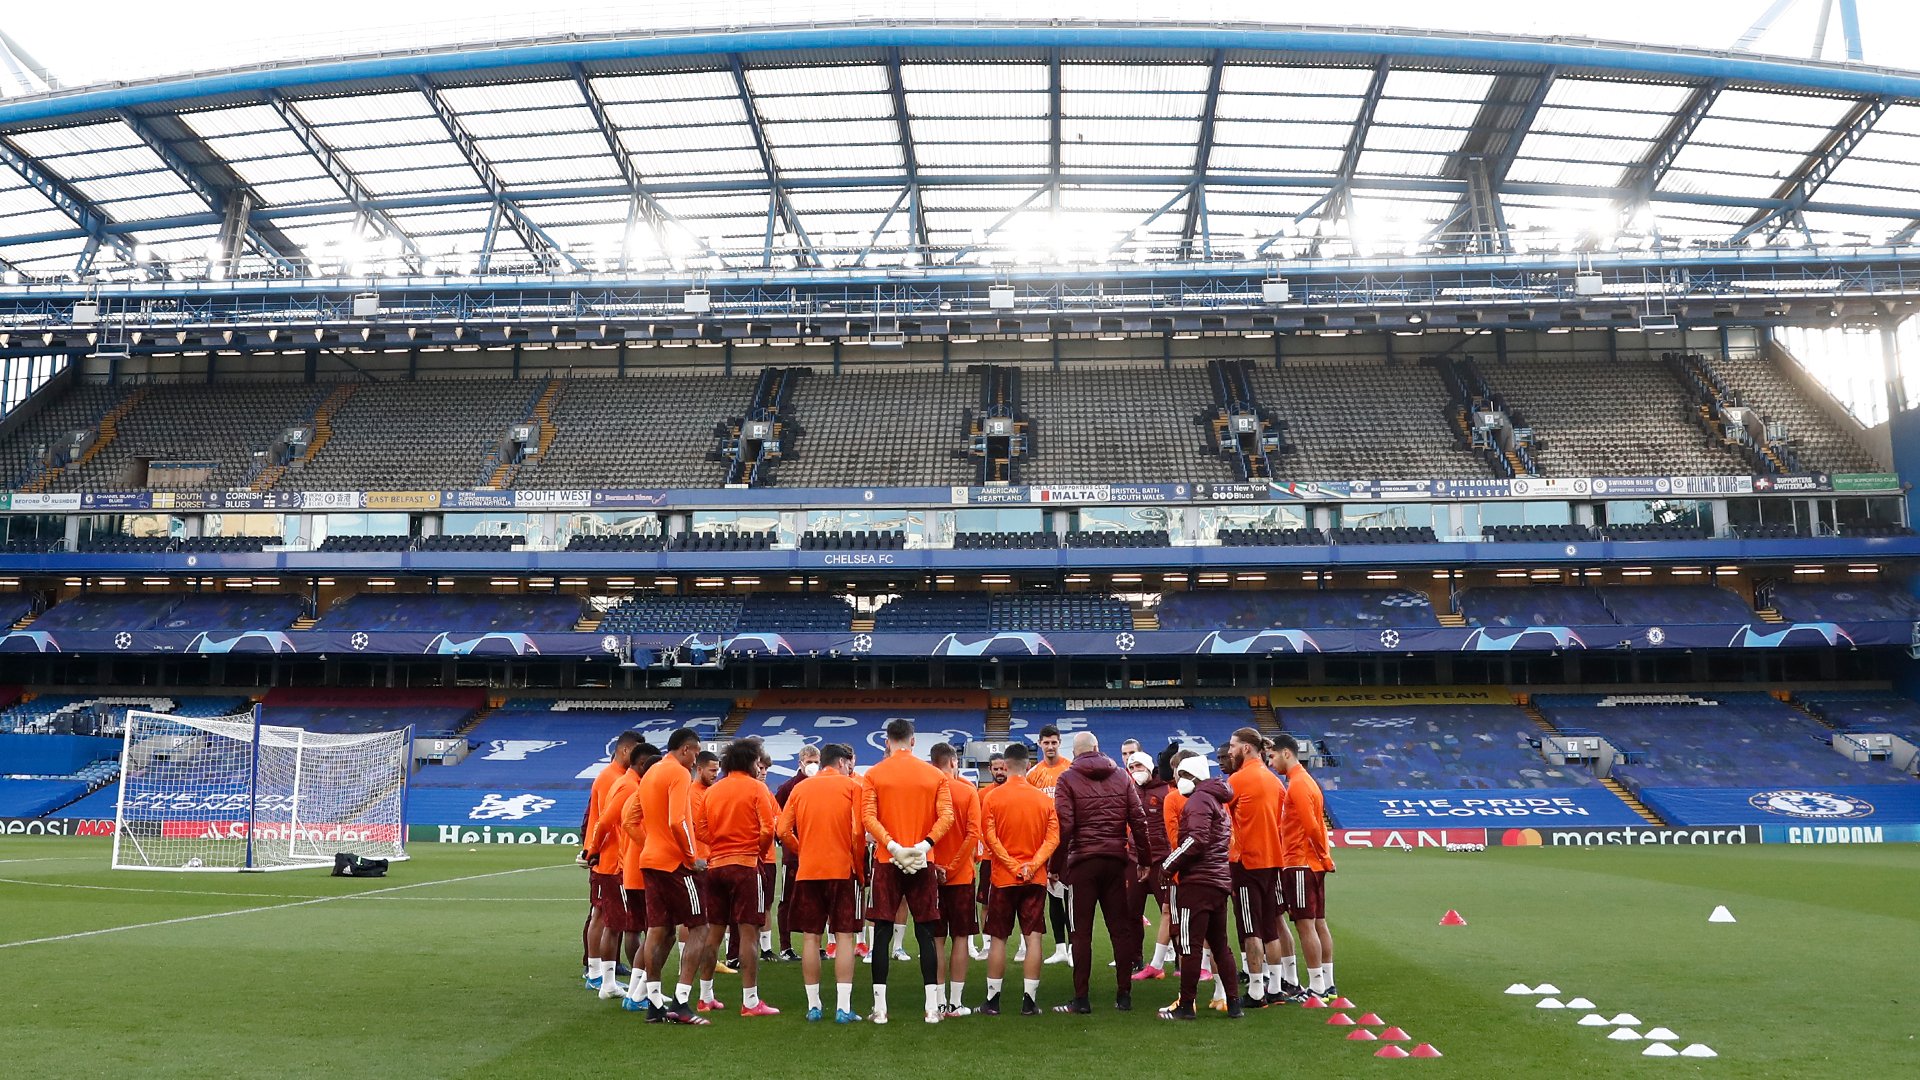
x=141, y=38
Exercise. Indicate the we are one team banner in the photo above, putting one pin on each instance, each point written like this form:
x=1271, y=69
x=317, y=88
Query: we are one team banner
x=1097, y=494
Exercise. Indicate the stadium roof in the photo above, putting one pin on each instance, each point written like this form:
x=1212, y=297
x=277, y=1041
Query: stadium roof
x=907, y=143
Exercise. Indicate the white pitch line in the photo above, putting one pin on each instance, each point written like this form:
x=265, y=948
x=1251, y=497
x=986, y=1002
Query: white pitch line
x=279, y=896
x=271, y=907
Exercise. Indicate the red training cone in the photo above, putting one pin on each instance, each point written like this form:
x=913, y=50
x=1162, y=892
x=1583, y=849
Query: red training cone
x=1361, y=1035
x=1371, y=1020
x=1394, y=1034
x=1341, y=1003
x=1313, y=1002
x=1391, y=1051
x=1452, y=918
x=1425, y=1050
x=1339, y=1020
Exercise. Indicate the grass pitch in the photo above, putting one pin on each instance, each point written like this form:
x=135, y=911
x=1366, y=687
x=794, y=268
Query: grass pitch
x=463, y=963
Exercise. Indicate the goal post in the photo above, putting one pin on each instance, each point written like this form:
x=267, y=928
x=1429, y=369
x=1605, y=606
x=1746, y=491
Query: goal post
x=231, y=793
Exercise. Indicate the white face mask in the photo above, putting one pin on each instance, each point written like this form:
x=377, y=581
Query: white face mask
x=1186, y=785
x=1141, y=776
x=809, y=768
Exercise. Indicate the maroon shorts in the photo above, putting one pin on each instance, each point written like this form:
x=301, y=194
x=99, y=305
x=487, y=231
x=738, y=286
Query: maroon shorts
x=737, y=895
x=636, y=905
x=1303, y=892
x=826, y=905
x=959, y=913
x=1256, y=899
x=921, y=891
x=603, y=892
x=675, y=898
x=1029, y=902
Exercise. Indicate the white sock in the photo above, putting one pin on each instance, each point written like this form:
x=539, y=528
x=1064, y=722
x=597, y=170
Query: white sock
x=1315, y=981
x=1162, y=955
x=654, y=996
x=766, y=940
x=1032, y=988
x=843, y=996
x=813, y=995
x=681, y=992
x=954, y=989
x=934, y=1000
x=1219, y=989
x=879, y=999
x=993, y=987
x=1289, y=969
x=1256, y=983
x=1328, y=969
x=749, y=996
x=706, y=989
x=637, y=985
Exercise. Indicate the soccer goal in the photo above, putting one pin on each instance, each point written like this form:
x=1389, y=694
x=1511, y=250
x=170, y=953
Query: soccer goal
x=231, y=793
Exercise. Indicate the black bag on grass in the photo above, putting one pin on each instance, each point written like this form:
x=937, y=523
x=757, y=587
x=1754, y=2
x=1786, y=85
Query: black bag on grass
x=347, y=864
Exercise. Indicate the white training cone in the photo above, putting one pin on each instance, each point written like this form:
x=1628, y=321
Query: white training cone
x=1660, y=1050
x=1519, y=988
x=1721, y=914
x=1624, y=1035
x=1546, y=988
x=1549, y=1003
x=1698, y=1050
x=1593, y=1020
x=1662, y=1035
x=1626, y=1019
x=1579, y=1003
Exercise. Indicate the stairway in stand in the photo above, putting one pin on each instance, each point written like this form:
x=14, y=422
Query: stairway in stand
x=322, y=435
x=542, y=411
x=1145, y=619
x=109, y=427
x=999, y=718
x=1619, y=790
x=736, y=715
x=1263, y=714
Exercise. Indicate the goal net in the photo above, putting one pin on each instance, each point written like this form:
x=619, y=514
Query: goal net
x=231, y=793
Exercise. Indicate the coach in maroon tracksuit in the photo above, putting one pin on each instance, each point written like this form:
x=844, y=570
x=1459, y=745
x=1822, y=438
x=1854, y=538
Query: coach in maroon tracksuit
x=1103, y=846
x=1199, y=893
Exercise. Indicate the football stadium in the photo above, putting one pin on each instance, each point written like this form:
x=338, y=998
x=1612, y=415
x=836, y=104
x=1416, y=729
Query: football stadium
x=772, y=520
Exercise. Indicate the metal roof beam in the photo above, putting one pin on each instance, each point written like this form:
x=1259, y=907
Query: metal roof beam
x=1053, y=133
x=92, y=220
x=538, y=244
x=361, y=200
x=646, y=205
x=217, y=196
x=1339, y=205
x=1818, y=168
x=778, y=205
x=916, y=210
x=1202, y=158
x=1644, y=178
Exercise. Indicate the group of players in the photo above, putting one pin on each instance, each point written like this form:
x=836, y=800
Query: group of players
x=683, y=847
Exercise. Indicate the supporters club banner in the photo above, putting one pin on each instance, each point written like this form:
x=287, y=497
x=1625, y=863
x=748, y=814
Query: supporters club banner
x=1091, y=494
x=1300, y=697
x=709, y=648
x=1868, y=804
x=1404, y=808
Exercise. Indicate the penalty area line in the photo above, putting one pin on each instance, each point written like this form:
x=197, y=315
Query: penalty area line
x=271, y=907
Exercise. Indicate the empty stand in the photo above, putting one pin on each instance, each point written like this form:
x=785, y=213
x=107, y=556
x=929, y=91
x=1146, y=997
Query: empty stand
x=1821, y=443
x=1363, y=421
x=1432, y=748
x=532, y=744
x=1004, y=541
x=1329, y=609
x=1392, y=534
x=641, y=432
x=1558, y=606
x=890, y=428
x=452, y=612
x=433, y=434
x=1646, y=606
x=1271, y=538
x=1127, y=424
x=1624, y=418
x=1198, y=724
x=77, y=408
x=1844, y=603
x=220, y=424
x=1865, y=712
x=853, y=540
x=1118, y=538
x=1650, y=531
x=1539, y=534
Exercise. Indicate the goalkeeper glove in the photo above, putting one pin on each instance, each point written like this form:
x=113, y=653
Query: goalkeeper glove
x=923, y=847
x=894, y=849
